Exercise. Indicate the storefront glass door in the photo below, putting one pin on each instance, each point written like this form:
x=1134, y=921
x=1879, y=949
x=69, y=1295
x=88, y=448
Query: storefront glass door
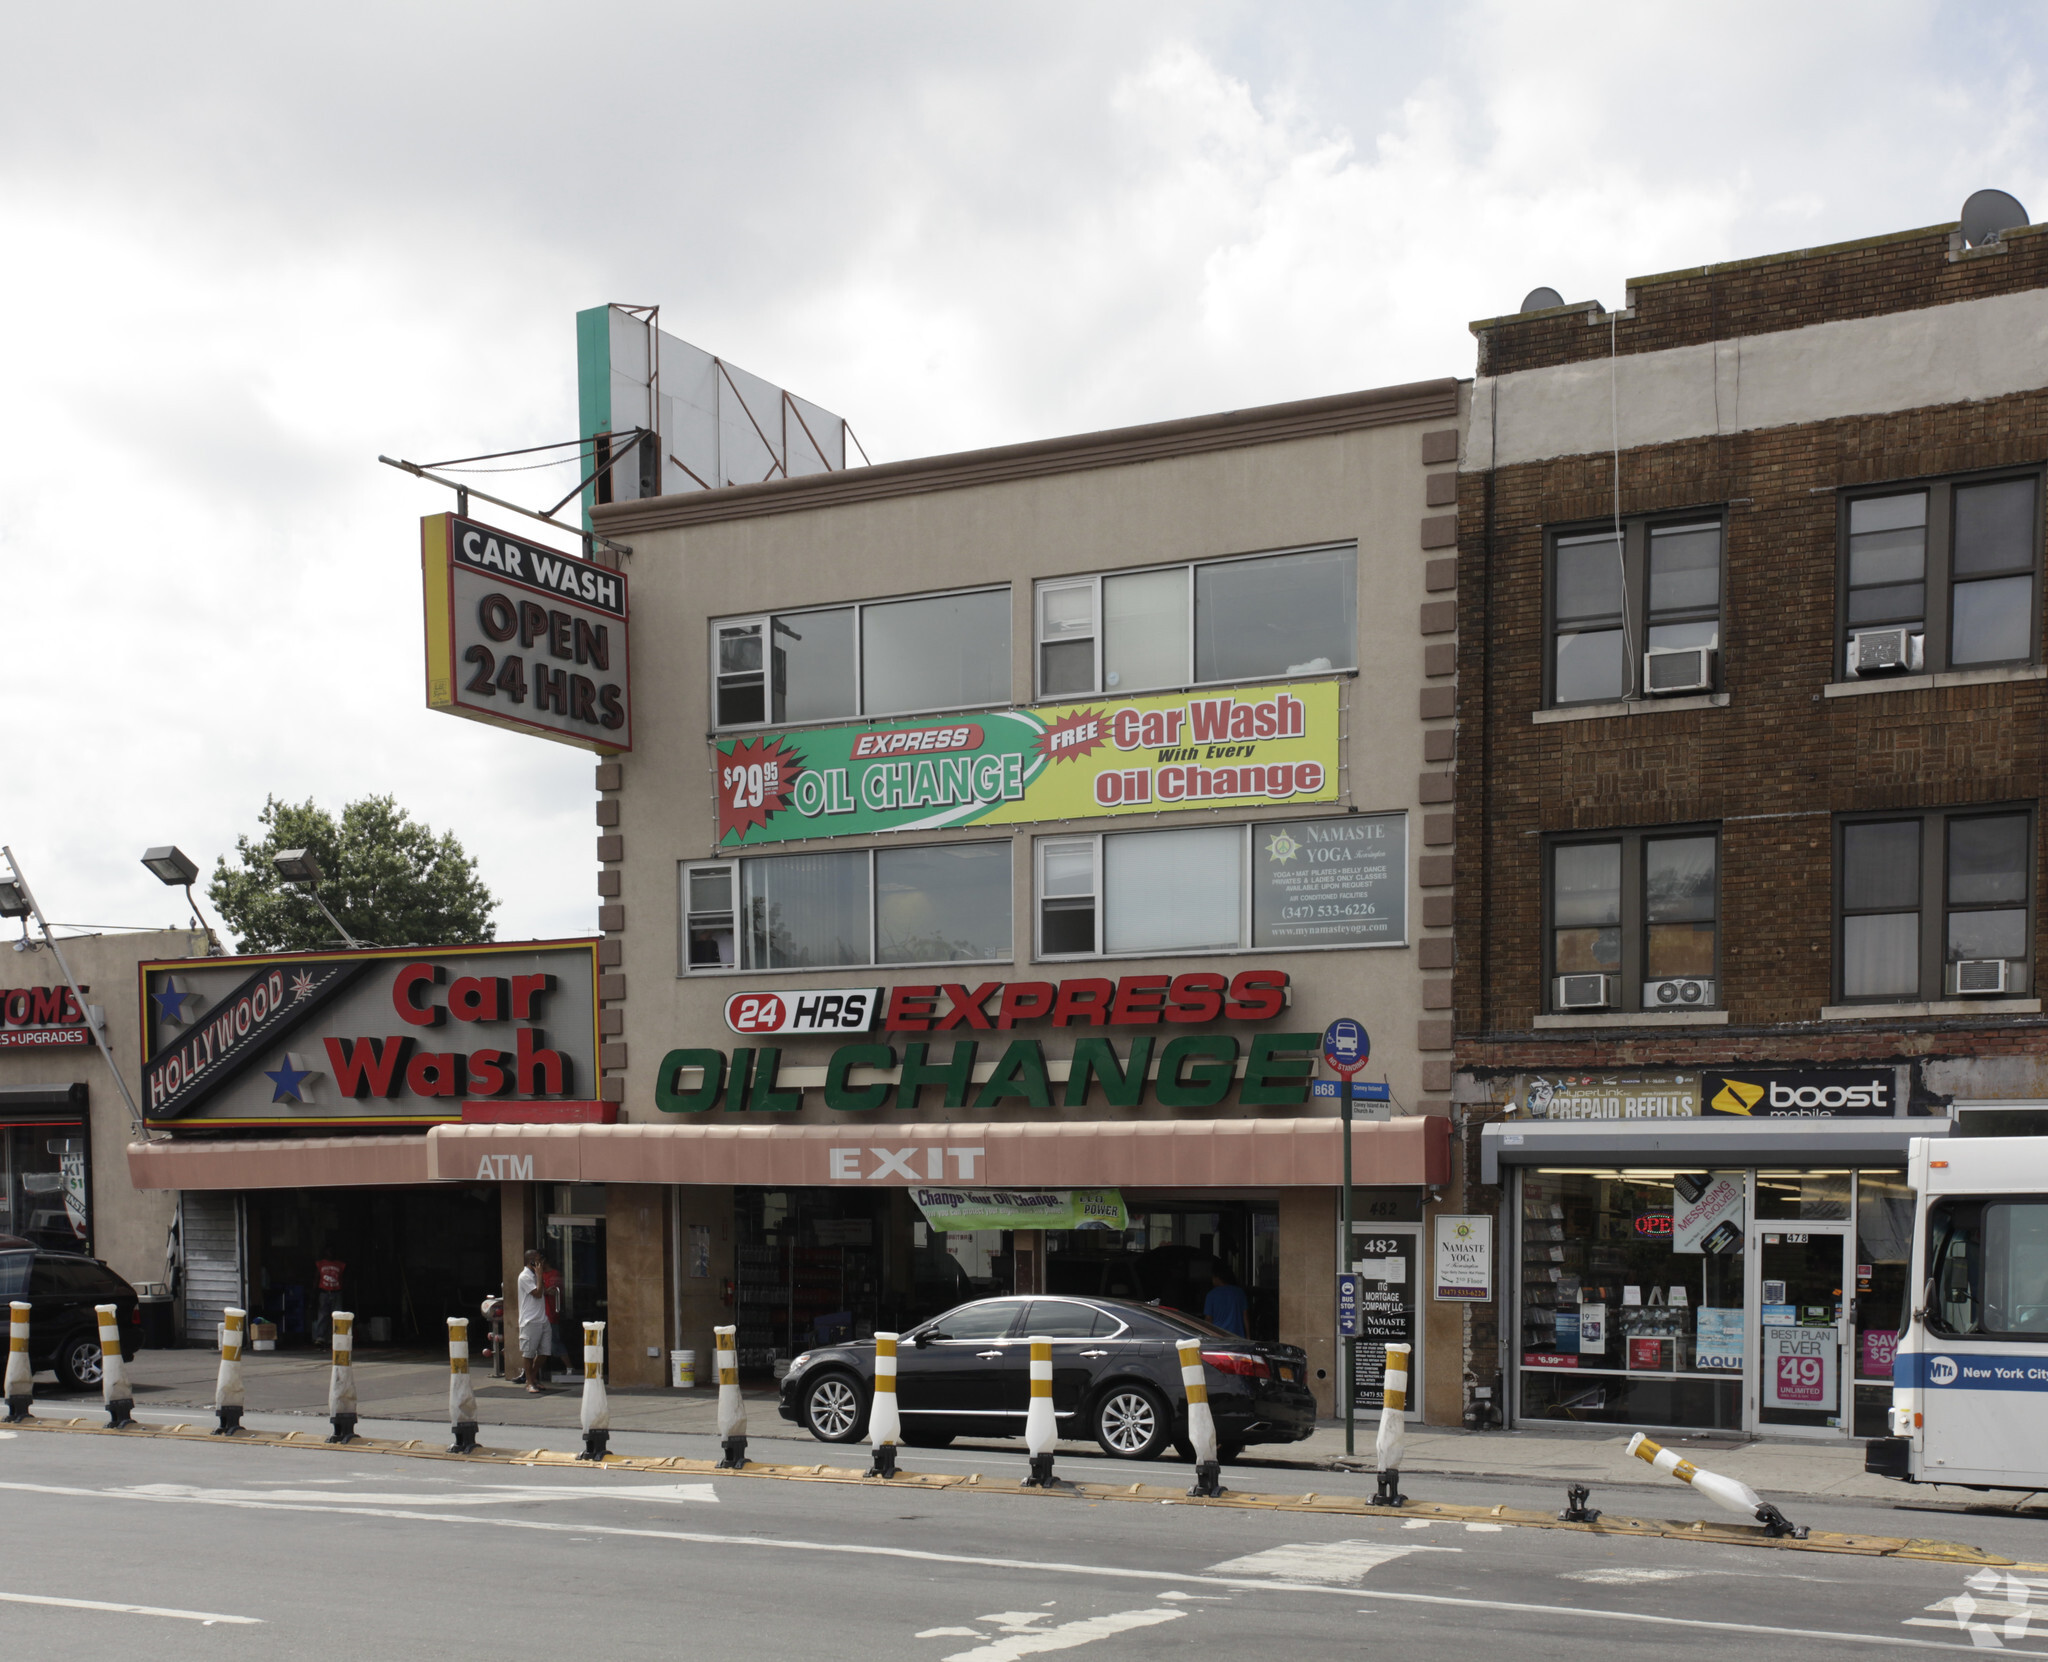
x=1800, y=1294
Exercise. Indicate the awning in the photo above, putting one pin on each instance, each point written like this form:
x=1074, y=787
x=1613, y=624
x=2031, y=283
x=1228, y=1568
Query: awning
x=1409, y=1151
x=1701, y=1144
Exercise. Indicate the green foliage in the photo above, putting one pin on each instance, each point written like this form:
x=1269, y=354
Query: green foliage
x=389, y=880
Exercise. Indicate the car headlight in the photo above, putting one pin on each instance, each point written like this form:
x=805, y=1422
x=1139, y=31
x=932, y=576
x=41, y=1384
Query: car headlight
x=800, y=1362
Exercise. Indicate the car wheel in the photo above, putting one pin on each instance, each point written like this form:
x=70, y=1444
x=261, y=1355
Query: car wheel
x=928, y=1439
x=1132, y=1422
x=78, y=1363
x=833, y=1410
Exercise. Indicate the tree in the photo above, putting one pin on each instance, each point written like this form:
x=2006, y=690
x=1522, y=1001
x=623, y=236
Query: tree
x=387, y=877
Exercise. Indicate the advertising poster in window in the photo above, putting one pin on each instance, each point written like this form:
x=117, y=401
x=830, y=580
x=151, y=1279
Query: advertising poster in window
x=1386, y=1311
x=1801, y=1368
x=1717, y=1339
x=1249, y=747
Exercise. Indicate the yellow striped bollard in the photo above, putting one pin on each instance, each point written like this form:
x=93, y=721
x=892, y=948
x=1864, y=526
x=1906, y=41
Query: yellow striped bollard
x=114, y=1390
x=228, y=1397
x=1393, y=1432
x=732, y=1408
x=461, y=1397
x=20, y=1381
x=1730, y=1492
x=885, y=1424
x=1041, y=1430
x=597, y=1408
x=1201, y=1422
x=341, y=1378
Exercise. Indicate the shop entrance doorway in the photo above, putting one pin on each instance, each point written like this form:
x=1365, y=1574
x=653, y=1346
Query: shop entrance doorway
x=574, y=1248
x=1800, y=1291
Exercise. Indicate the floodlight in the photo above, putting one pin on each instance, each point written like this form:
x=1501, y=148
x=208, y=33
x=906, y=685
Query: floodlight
x=13, y=899
x=296, y=865
x=171, y=866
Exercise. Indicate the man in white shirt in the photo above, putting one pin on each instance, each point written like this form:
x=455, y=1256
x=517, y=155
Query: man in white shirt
x=533, y=1321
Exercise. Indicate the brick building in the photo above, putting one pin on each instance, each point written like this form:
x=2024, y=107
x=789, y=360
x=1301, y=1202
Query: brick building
x=1750, y=764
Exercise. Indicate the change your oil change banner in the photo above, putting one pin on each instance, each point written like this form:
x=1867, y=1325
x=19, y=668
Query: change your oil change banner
x=1248, y=747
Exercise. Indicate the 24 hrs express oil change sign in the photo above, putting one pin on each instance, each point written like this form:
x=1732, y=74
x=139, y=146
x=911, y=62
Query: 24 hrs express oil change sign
x=1247, y=748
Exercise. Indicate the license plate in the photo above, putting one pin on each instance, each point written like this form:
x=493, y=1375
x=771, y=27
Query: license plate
x=1288, y=1373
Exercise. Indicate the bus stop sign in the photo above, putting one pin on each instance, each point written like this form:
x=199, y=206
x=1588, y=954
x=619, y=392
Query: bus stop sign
x=1345, y=1046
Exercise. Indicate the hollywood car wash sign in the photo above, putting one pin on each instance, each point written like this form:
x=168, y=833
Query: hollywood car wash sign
x=525, y=637
x=1251, y=747
x=367, y=1038
x=36, y=1018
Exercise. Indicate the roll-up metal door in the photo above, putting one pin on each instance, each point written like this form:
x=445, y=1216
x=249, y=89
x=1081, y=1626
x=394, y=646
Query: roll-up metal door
x=211, y=1228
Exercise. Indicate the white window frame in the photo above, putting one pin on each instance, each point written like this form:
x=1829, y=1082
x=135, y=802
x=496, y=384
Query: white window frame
x=1095, y=580
x=739, y=966
x=1248, y=830
x=766, y=622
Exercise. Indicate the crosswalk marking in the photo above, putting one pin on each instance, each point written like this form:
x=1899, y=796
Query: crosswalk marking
x=1326, y=1561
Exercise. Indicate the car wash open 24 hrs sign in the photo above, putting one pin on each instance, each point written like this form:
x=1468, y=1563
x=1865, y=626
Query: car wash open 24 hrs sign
x=1250, y=747
x=525, y=637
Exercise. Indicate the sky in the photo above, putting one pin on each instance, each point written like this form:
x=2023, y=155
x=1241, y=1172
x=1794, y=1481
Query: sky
x=245, y=249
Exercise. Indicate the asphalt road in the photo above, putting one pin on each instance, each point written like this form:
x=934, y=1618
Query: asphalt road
x=217, y=1550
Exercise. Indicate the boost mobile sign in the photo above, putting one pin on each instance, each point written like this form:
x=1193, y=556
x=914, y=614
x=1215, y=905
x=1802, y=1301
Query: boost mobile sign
x=1249, y=747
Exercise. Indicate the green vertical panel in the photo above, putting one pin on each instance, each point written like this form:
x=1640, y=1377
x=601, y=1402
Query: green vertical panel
x=593, y=384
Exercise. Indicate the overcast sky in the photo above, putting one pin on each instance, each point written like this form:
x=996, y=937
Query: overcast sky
x=247, y=248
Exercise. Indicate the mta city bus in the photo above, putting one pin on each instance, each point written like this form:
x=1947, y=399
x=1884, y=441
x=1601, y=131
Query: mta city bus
x=1970, y=1376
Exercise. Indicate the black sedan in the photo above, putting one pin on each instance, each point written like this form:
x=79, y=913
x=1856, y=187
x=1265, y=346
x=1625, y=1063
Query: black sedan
x=1115, y=1377
x=61, y=1290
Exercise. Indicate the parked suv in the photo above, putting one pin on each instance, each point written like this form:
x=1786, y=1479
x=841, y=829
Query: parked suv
x=62, y=1289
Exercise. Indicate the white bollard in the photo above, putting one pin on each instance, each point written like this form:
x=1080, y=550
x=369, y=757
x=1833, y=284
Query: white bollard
x=20, y=1388
x=1201, y=1423
x=732, y=1410
x=228, y=1398
x=1393, y=1433
x=885, y=1424
x=461, y=1397
x=597, y=1408
x=114, y=1390
x=341, y=1378
x=1730, y=1492
x=1041, y=1429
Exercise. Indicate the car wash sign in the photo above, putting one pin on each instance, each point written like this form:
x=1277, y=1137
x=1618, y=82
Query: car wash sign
x=525, y=637
x=1250, y=747
x=404, y=1036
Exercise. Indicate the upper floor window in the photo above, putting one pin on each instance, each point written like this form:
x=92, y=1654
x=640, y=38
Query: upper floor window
x=1635, y=921
x=946, y=903
x=1941, y=576
x=1934, y=905
x=883, y=658
x=1242, y=619
x=1638, y=613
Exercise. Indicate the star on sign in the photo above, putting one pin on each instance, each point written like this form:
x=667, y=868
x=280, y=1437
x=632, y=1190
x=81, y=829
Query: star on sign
x=172, y=1003
x=290, y=1081
x=302, y=987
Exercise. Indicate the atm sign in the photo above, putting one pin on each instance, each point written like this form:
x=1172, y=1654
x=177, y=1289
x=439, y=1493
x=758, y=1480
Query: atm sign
x=815, y=1010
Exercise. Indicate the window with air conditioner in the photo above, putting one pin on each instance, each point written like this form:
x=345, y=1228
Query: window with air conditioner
x=1634, y=922
x=1635, y=614
x=1934, y=905
x=1940, y=576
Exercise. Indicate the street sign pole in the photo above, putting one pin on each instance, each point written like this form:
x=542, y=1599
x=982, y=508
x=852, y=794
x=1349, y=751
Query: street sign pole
x=1350, y=1345
x=1347, y=1049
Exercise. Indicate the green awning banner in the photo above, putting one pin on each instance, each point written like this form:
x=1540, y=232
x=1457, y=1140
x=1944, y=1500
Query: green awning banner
x=961, y=1209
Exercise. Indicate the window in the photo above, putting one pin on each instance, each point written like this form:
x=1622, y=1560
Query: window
x=1225, y=888
x=941, y=904
x=1988, y=1261
x=1243, y=619
x=1931, y=905
x=1057, y=1319
x=1640, y=911
x=895, y=657
x=1952, y=564
x=1618, y=606
x=990, y=1320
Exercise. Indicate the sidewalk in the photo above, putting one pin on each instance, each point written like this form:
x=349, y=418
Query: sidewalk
x=398, y=1386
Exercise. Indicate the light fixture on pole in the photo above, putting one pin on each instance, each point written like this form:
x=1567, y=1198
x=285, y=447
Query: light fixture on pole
x=173, y=867
x=300, y=869
x=18, y=901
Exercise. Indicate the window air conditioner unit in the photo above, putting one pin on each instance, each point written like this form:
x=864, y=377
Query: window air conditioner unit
x=1976, y=977
x=1685, y=669
x=1681, y=993
x=1886, y=652
x=1585, y=992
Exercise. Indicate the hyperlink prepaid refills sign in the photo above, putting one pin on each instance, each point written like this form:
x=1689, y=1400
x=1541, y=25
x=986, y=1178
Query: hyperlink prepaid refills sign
x=1249, y=747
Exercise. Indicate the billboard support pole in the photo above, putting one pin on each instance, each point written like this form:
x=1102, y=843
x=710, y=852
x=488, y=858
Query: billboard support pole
x=96, y=1028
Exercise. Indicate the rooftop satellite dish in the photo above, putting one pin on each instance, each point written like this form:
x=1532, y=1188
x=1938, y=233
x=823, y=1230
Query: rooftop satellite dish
x=1541, y=300
x=1989, y=213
